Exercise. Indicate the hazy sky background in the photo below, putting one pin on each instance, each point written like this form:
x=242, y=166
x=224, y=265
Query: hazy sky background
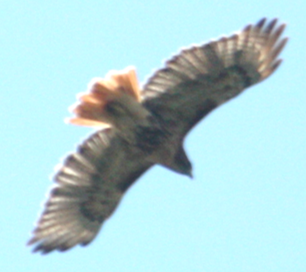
x=245, y=209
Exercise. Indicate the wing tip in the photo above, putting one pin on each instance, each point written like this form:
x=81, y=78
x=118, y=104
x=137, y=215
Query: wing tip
x=42, y=246
x=272, y=48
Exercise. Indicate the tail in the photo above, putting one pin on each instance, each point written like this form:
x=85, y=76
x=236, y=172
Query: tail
x=93, y=107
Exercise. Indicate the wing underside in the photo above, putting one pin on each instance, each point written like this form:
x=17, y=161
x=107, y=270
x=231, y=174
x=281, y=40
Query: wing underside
x=91, y=182
x=88, y=187
x=201, y=78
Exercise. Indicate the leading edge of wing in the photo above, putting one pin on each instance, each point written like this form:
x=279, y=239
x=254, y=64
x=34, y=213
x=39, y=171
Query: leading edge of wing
x=201, y=78
x=88, y=187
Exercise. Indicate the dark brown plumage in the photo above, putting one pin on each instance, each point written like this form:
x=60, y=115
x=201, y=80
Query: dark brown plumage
x=140, y=129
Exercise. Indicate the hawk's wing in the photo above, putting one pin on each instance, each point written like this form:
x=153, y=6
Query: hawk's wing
x=92, y=181
x=201, y=78
x=89, y=186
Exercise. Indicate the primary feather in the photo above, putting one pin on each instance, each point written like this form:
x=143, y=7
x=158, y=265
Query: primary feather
x=147, y=128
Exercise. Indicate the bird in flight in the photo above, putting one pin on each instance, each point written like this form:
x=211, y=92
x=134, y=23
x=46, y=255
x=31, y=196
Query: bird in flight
x=137, y=128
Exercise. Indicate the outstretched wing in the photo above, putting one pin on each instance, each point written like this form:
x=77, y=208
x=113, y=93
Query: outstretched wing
x=88, y=188
x=201, y=78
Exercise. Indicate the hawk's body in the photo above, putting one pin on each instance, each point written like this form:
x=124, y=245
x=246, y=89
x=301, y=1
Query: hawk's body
x=140, y=129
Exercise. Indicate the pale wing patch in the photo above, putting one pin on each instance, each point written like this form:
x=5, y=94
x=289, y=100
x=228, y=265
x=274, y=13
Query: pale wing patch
x=254, y=50
x=202, y=77
x=90, y=110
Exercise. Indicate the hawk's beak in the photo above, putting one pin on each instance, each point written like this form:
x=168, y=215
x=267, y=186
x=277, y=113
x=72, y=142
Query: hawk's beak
x=190, y=175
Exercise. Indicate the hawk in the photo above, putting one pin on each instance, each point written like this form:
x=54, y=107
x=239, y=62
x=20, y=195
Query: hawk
x=138, y=128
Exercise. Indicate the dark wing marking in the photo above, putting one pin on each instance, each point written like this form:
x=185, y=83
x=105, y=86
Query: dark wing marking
x=88, y=188
x=201, y=78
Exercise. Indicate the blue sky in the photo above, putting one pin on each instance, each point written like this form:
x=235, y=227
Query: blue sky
x=245, y=209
